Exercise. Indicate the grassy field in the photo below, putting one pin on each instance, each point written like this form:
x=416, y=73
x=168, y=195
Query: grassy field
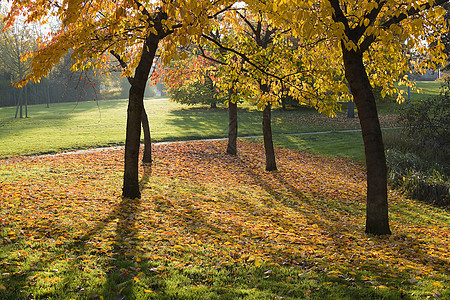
x=211, y=226
x=71, y=126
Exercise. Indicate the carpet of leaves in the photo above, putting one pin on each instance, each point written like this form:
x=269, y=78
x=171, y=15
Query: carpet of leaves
x=201, y=208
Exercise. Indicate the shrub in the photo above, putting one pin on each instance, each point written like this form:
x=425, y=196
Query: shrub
x=418, y=156
x=428, y=123
x=422, y=180
x=195, y=93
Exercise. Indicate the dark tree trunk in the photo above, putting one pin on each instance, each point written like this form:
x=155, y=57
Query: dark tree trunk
x=351, y=109
x=213, y=104
x=147, y=158
x=377, y=221
x=21, y=103
x=268, y=143
x=16, y=100
x=134, y=115
x=48, y=95
x=26, y=101
x=232, y=128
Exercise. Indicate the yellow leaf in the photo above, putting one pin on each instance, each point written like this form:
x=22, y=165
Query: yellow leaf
x=257, y=263
x=2, y=287
x=148, y=291
x=178, y=247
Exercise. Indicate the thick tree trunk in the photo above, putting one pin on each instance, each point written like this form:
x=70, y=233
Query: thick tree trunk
x=147, y=158
x=377, y=220
x=232, y=128
x=134, y=115
x=268, y=142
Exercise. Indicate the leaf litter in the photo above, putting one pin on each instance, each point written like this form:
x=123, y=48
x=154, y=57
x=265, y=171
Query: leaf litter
x=201, y=208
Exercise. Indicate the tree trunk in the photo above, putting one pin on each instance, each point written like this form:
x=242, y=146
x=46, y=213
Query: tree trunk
x=134, y=115
x=16, y=100
x=21, y=103
x=377, y=220
x=351, y=110
x=147, y=158
x=232, y=127
x=26, y=101
x=268, y=143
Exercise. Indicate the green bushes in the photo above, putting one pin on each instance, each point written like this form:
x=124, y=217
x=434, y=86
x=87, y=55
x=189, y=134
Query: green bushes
x=195, y=93
x=419, y=178
x=418, y=156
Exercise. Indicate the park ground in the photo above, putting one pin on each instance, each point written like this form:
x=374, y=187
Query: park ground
x=208, y=225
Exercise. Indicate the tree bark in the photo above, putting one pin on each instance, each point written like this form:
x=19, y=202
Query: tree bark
x=377, y=220
x=26, y=101
x=147, y=158
x=268, y=142
x=16, y=100
x=232, y=128
x=134, y=115
x=351, y=110
x=21, y=103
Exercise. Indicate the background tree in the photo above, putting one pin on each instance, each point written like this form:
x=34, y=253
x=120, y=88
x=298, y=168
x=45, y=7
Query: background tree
x=15, y=42
x=270, y=68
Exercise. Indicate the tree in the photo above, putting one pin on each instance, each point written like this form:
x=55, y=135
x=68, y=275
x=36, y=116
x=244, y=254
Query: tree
x=370, y=39
x=190, y=80
x=15, y=43
x=133, y=30
x=271, y=67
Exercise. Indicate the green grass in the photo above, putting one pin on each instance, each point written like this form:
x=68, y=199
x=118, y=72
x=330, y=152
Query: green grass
x=343, y=144
x=426, y=90
x=68, y=126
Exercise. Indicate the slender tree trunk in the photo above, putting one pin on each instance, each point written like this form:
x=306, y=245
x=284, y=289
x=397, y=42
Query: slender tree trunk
x=134, y=115
x=147, y=158
x=351, y=109
x=16, y=100
x=48, y=95
x=26, y=101
x=232, y=127
x=268, y=142
x=377, y=220
x=21, y=103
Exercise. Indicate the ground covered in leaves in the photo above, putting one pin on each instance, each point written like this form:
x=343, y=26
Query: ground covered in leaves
x=210, y=226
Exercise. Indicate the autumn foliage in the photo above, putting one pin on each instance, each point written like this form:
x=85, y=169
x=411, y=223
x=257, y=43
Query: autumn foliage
x=201, y=208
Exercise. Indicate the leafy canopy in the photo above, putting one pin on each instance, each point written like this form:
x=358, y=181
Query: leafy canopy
x=395, y=36
x=94, y=29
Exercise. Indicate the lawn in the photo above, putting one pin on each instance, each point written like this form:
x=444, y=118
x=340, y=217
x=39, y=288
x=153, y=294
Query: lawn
x=69, y=126
x=211, y=226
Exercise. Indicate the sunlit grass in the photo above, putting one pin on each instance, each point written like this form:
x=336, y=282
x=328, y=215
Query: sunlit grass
x=68, y=126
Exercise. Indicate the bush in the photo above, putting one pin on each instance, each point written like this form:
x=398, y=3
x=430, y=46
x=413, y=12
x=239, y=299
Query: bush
x=418, y=156
x=419, y=178
x=428, y=123
x=195, y=93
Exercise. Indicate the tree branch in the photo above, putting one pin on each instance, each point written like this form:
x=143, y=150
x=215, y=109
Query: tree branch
x=122, y=63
